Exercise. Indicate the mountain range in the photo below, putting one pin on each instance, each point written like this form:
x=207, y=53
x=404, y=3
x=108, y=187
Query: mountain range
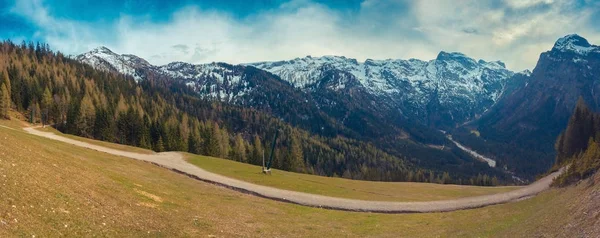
x=402, y=105
x=445, y=91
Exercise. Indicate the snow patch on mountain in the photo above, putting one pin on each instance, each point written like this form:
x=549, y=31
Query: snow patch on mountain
x=458, y=86
x=103, y=58
x=576, y=44
x=215, y=80
x=450, y=75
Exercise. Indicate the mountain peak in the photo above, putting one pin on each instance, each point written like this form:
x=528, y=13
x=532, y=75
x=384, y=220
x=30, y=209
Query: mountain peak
x=102, y=49
x=526, y=72
x=448, y=55
x=574, y=43
x=102, y=58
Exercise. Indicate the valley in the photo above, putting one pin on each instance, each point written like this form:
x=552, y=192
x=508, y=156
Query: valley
x=415, y=99
x=326, y=110
x=300, y=118
x=490, y=162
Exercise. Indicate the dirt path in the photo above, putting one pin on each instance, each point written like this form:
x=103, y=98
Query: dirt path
x=175, y=161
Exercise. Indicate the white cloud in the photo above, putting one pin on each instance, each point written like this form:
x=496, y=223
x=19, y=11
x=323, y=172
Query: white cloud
x=62, y=34
x=515, y=32
x=526, y=3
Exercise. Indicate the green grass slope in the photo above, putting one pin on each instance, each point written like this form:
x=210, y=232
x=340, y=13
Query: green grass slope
x=340, y=187
x=49, y=188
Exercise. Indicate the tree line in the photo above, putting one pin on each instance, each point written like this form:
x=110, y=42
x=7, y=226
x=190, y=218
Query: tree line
x=578, y=146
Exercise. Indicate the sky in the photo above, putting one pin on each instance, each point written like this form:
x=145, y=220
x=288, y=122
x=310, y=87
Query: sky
x=241, y=31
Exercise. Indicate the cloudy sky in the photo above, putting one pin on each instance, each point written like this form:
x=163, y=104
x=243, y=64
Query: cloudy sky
x=238, y=31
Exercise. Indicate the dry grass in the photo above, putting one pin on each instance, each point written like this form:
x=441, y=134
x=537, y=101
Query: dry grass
x=336, y=187
x=100, y=143
x=51, y=189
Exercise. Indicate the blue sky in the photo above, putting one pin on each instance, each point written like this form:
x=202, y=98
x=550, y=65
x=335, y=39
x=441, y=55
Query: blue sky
x=237, y=31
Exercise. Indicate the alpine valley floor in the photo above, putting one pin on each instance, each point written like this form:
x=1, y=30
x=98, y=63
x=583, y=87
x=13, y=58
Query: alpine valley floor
x=175, y=161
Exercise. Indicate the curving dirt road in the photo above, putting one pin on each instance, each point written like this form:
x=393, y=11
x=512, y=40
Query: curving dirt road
x=175, y=162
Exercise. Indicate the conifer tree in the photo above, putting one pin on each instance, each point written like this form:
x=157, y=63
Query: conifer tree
x=347, y=174
x=38, y=112
x=73, y=115
x=4, y=101
x=257, y=151
x=446, y=178
x=225, y=145
x=578, y=131
x=160, y=145
x=213, y=141
x=295, y=159
x=194, y=143
x=47, y=103
x=145, y=140
x=4, y=79
x=239, y=149
x=103, y=126
x=87, y=117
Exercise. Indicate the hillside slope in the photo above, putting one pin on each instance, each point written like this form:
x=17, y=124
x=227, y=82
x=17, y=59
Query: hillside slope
x=174, y=161
x=64, y=190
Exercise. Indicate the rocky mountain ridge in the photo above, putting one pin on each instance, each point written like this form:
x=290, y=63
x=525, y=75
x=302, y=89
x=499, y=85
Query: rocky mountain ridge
x=445, y=91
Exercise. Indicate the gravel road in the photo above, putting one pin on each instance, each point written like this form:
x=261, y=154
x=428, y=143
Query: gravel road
x=175, y=162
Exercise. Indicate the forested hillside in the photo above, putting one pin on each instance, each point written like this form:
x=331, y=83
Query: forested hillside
x=578, y=146
x=163, y=115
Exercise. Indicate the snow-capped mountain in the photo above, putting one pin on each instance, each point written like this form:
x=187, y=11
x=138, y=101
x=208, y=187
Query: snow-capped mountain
x=459, y=86
x=383, y=76
x=215, y=80
x=575, y=44
x=532, y=114
x=103, y=58
x=445, y=91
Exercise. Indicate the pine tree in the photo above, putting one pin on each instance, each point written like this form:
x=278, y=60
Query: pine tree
x=145, y=140
x=73, y=115
x=212, y=141
x=257, y=151
x=4, y=78
x=194, y=143
x=160, y=145
x=46, y=105
x=578, y=131
x=4, y=102
x=103, y=126
x=446, y=178
x=239, y=149
x=86, y=117
x=225, y=145
x=431, y=176
x=347, y=174
x=495, y=181
x=295, y=159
